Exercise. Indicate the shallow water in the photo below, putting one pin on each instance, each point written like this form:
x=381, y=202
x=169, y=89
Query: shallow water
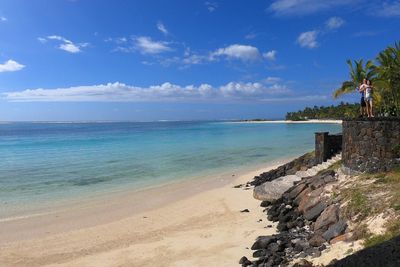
x=50, y=162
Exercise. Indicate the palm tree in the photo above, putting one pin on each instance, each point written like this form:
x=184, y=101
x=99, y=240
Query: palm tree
x=357, y=73
x=388, y=78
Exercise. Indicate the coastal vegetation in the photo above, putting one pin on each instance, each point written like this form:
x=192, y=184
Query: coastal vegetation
x=343, y=110
x=384, y=72
x=370, y=197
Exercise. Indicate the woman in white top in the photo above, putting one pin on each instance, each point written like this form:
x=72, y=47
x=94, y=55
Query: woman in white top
x=367, y=88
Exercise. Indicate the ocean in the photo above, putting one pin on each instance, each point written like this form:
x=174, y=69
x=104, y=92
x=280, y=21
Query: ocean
x=46, y=163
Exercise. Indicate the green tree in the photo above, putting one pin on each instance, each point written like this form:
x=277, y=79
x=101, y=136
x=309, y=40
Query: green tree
x=388, y=79
x=357, y=73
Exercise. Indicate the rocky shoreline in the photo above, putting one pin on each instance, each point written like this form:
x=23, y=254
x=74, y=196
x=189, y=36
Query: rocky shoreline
x=307, y=223
x=301, y=163
x=310, y=212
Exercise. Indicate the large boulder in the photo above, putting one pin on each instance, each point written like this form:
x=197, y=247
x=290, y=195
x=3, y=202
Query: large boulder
x=273, y=190
x=328, y=217
x=296, y=190
x=309, y=200
x=262, y=242
x=335, y=230
x=315, y=211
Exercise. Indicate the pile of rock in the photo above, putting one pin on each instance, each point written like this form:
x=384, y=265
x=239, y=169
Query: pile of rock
x=301, y=163
x=308, y=222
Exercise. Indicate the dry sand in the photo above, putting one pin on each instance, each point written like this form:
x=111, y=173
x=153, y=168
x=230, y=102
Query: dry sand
x=193, y=223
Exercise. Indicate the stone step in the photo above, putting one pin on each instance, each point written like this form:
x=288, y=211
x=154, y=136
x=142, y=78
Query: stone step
x=319, y=167
x=325, y=164
x=312, y=172
x=302, y=174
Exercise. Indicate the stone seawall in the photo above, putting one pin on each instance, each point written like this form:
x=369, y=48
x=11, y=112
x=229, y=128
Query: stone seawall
x=371, y=145
x=301, y=163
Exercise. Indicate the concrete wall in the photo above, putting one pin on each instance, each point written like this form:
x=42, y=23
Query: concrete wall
x=371, y=145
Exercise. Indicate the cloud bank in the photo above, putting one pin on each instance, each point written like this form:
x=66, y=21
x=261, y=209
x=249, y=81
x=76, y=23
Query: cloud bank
x=120, y=92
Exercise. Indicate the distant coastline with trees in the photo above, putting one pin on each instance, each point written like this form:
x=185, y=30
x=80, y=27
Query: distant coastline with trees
x=343, y=110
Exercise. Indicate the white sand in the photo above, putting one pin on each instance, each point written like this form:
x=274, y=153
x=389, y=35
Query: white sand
x=195, y=223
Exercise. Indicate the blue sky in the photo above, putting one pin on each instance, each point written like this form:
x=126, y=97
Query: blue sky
x=182, y=60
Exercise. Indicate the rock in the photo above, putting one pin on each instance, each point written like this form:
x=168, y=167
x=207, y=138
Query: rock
x=244, y=261
x=314, y=212
x=303, y=263
x=340, y=238
x=260, y=253
x=293, y=193
x=245, y=210
x=282, y=227
x=316, y=182
x=265, y=203
x=316, y=241
x=316, y=254
x=302, y=254
x=322, y=247
x=310, y=200
x=335, y=230
x=329, y=179
x=301, y=245
x=273, y=190
x=303, y=193
x=274, y=247
x=262, y=242
x=328, y=217
x=238, y=186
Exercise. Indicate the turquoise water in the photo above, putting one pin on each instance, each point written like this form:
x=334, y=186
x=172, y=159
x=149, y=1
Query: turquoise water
x=49, y=162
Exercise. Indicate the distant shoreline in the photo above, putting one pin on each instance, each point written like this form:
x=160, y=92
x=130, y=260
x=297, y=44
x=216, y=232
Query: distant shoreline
x=289, y=121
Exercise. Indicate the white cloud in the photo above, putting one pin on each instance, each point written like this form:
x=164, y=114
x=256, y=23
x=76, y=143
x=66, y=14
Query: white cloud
x=3, y=18
x=308, y=39
x=270, y=55
x=120, y=92
x=42, y=40
x=161, y=27
x=193, y=59
x=147, y=46
x=211, y=6
x=65, y=44
x=334, y=23
x=272, y=80
x=388, y=9
x=250, y=36
x=237, y=51
x=11, y=65
x=305, y=7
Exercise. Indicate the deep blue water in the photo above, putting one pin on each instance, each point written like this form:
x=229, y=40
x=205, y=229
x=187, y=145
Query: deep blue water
x=53, y=161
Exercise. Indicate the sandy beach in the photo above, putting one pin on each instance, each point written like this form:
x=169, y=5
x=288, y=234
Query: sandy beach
x=192, y=223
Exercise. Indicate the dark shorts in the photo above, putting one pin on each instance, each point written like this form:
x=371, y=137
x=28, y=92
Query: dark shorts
x=362, y=102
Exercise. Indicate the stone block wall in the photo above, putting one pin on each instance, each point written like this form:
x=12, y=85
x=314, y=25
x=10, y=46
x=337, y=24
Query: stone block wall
x=326, y=146
x=371, y=145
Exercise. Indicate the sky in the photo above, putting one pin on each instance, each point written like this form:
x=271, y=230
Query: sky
x=84, y=60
